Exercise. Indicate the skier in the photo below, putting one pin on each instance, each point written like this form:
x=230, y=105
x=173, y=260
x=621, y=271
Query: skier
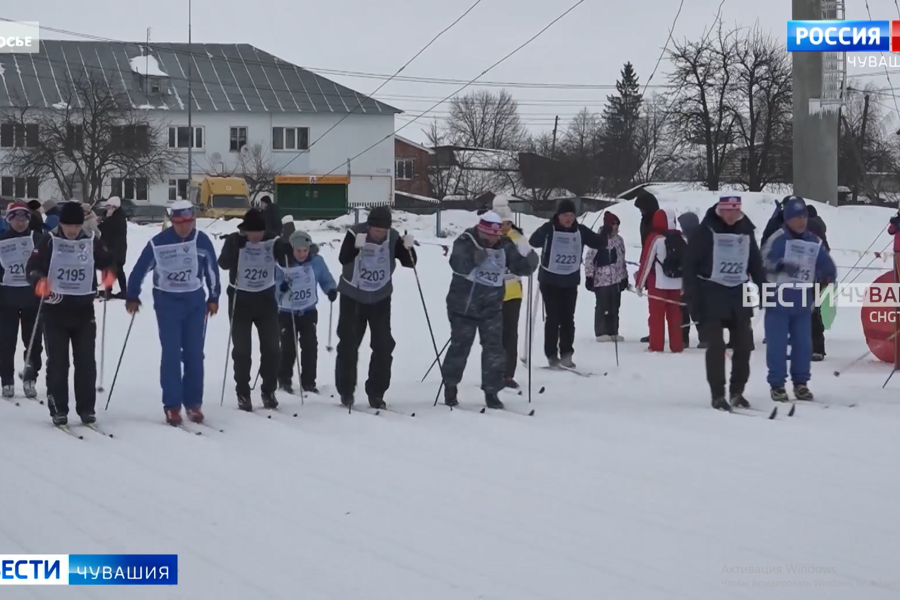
x=562, y=240
x=287, y=228
x=63, y=269
x=181, y=259
x=817, y=226
x=648, y=205
x=606, y=277
x=689, y=222
x=793, y=257
x=271, y=215
x=480, y=259
x=368, y=255
x=297, y=298
x=512, y=299
x=660, y=273
x=250, y=255
x=51, y=215
x=115, y=235
x=17, y=301
x=722, y=256
x=776, y=221
x=37, y=219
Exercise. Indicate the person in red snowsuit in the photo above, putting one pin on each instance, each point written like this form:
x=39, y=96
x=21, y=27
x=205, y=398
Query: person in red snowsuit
x=664, y=291
x=894, y=230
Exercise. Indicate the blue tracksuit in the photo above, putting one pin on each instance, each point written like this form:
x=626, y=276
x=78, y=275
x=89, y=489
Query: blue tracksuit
x=51, y=220
x=180, y=305
x=321, y=272
x=792, y=319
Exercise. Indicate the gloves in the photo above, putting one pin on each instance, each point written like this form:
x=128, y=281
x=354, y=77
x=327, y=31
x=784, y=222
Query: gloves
x=589, y=284
x=132, y=306
x=42, y=287
x=35, y=276
x=480, y=255
x=408, y=241
x=332, y=295
x=790, y=269
x=624, y=285
x=523, y=247
x=639, y=292
x=606, y=230
x=284, y=287
x=212, y=308
x=109, y=278
x=360, y=240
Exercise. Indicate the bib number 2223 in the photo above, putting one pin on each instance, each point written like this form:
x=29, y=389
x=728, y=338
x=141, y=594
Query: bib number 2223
x=566, y=259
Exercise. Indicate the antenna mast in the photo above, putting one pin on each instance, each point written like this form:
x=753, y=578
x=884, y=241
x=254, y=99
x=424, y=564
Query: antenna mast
x=190, y=106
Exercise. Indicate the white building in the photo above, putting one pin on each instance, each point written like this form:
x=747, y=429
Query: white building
x=242, y=96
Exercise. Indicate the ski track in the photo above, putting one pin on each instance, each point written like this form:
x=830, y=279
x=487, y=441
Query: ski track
x=623, y=485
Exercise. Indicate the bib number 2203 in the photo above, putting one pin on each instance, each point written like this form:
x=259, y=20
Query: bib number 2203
x=372, y=276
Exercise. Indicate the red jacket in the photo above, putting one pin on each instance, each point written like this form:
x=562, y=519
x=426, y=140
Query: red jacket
x=662, y=223
x=894, y=231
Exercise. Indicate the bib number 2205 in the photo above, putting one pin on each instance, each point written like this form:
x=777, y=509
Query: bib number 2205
x=301, y=295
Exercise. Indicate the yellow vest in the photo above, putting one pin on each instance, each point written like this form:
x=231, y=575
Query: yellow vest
x=513, y=286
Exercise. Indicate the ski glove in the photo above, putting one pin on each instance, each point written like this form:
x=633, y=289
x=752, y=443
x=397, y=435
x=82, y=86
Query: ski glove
x=639, y=292
x=332, y=295
x=408, y=241
x=589, y=284
x=360, y=240
x=284, y=287
x=524, y=247
x=212, y=308
x=42, y=287
x=624, y=285
x=480, y=255
x=132, y=306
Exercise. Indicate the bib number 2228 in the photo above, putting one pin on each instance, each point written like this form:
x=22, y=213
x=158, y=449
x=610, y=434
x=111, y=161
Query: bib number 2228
x=731, y=268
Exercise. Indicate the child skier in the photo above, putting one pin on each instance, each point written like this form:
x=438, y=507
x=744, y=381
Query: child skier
x=480, y=259
x=297, y=315
x=606, y=276
x=660, y=274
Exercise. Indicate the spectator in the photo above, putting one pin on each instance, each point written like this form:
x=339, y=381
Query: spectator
x=51, y=215
x=115, y=233
x=271, y=216
x=37, y=219
x=91, y=222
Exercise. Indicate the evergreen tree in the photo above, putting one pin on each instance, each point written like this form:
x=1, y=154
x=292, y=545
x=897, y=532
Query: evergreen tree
x=619, y=152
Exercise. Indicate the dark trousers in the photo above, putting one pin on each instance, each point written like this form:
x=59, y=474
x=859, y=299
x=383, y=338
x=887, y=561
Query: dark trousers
x=741, y=336
x=10, y=317
x=606, y=311
x=75, y=327
x=818, y=332
x=559, y=328
x=511, y=310
x=462, y=335
x=305, y=327
x=246, y=313
x=351, y=329
x=120, y=276
x=687, y=319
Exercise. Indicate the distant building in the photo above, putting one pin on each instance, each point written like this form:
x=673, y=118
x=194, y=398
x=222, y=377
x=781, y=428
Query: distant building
x=411, y=163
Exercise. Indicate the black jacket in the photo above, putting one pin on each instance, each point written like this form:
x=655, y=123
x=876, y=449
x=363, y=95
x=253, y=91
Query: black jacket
x=817, y=226
x=707, y=300
x=228, y=260
x=37, y=222
x=39, y=266
x=543, y=238
x=114, y=230
x=648, y=205
x=19, y=297
x=272, y=216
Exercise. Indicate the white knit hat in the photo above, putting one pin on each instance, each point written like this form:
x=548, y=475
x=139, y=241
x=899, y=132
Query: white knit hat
x=287, y=219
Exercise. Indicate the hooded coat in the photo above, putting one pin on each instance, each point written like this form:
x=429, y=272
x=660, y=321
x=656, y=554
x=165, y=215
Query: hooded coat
x=324, y=279
x=648, y=205
x=689, y=222
x=707, y=299
x=654, y=254
x=817, y=226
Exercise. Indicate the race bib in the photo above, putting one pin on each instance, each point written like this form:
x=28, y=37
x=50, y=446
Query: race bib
x=256, y=267
x=373, y=267
x=302, y=291
x=72, y=267
x=803, y=255
x=731, y=255
x=491, y=272
x=177, y=267
x=565, y=253
x=14, y=254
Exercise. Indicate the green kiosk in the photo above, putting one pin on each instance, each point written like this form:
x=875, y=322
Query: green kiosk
x=311, y=197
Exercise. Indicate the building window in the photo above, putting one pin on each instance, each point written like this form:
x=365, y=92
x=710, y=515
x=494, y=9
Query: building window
x=237, y=139
x=19, y=187
x=180, y=137
x=404, y=168
x=178, y=189
x=290, y=138
x=17, y=135
x=745, y=164
x=130, y=188
x=75, y=137
x=154, y=85
x=130, y=137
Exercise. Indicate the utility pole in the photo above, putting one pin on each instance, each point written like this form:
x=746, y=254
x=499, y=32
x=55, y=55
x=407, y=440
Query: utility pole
x=190, y=172
x=147, y=64
x=861, y=167
x=555, y=128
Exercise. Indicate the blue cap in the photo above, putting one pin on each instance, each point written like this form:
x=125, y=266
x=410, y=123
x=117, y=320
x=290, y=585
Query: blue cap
x=793, y=208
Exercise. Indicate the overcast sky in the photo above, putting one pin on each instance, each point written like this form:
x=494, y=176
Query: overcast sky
x=588, y=47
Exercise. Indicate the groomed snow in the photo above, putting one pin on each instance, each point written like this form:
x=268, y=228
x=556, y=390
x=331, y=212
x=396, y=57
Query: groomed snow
x=624, y=485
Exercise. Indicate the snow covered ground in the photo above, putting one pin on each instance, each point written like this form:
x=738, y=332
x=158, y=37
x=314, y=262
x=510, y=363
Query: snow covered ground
x=623, y=485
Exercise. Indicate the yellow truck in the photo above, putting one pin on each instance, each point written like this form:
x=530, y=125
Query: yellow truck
x=220, y=197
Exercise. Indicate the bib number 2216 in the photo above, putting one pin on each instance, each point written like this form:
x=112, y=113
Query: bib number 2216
x=255, y=274
x=72, y=275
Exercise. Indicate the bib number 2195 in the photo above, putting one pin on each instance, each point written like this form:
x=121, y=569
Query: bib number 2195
x=73, y=275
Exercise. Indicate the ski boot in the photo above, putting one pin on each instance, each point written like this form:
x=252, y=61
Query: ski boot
x=492, y=401
x=377, y=403
x=60, y=420
x=310, y=389
x=286, y=387
x=269, y=401
x=88, y=418
x=9, y=391
x=450, y=393
x=566, y=362
x=30, y=390
x=173, y=416
x=738, y=400
x=719, y=403
x=617, y=338
x=511, y=384
x=553, y=362
x=816, y=357
x=779, y=395
x=194, y=414
x=347, y=400
x=604, y=338
x=645, y=339
x=244, y=402
x=801, y=392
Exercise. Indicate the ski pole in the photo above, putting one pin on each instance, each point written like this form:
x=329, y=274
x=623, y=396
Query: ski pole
x=529, y=331
x=437, y=353
x=34, y=330
x=112, y=387
x=233, y=307
x=296, y=339
x=862, y=358
x=434, y=362
x=255, y=381
x=328, y=346
x=103, y=339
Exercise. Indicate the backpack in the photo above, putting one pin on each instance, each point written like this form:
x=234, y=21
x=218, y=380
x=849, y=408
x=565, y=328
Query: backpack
x=672, y=266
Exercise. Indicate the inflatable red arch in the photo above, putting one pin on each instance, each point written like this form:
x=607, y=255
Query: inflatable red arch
x=880, y=324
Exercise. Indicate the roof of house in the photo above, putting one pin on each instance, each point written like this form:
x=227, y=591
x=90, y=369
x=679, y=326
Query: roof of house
x=224, y=77
x=409, y=142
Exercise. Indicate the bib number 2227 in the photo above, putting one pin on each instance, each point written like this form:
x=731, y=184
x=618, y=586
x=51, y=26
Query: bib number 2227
x=179, y=276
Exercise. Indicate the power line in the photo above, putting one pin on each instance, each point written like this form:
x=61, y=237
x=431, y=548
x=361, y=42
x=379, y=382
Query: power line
x=886, y=72
x=485, y=72
x=666, y=46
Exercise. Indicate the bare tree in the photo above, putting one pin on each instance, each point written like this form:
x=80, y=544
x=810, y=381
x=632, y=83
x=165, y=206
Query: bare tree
x=256, y=166
x=582, y=136
x=761, y=100
x=483, y=119
x=700, y=114
x=868, y=158
x=653, y=145
x=90, y=137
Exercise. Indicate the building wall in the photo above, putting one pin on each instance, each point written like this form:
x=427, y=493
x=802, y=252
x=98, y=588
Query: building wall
x=419, y=183
x=371, y=174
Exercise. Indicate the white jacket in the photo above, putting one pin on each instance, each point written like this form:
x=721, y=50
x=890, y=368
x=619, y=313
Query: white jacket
x=657, y=256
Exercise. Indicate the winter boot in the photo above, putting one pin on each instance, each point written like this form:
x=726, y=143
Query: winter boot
x=347, y=400
x=194, y=414
x=244, y=403
x=702, y=345
x=88, y=418
x=30, y=390
x=719, y=403
x=816, y=357
x=286, y=386
x=617, y=338
x=492, y=401
x=269, y=401
x=801, y=392
x=738, y=400
x=645, y=339
x=173, y=416
x=310, y=389
x=377, y=403
x=604, y=338
x=553, y=362
x=60, y=420
x=511, y=383
x=779, y=395
x=566, y=362
x=450, y=393
x=9, y=391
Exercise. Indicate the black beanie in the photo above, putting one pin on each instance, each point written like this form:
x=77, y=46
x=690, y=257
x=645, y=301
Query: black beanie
x=380, y=217
x=565, y=206
x=71, y=214
x=253, y=221
x=34, y=205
